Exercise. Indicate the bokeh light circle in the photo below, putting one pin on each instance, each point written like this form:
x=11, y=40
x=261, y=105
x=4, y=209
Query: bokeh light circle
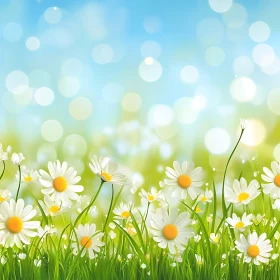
x=32, y=43
x=150, y=70
x=72, y=67
x=210, y=31
x=80, y=108
x=276, y=152
x=215, y=56
x=74, y=145
x=243, y=89
x=263, y=54
x=52, y=15
x=236, y=16
x=150, y=49
x=12, y=32
x=152, y=24
x=259, y=31
x=69, y=86
x=17, y=82
x=217, y=141
x=220, y=6
x=51, y=130
x=46, y=153
x=44, y=96
x=273, y=101
x=160, y=115
x=243, y=66
x=102, y=54
x=254, y=134
x=189, y=74
x=131, y=102
x=184, y=111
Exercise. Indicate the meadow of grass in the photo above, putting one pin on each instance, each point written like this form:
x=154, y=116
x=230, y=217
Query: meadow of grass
x=130, y=249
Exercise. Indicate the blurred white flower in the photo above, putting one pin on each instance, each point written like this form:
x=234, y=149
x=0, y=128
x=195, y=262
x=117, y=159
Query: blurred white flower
x=22, y=256
x=28, y=175
x=257, y=219
x=215, y=238
x=17, y=158
x=37, y=263
x=199, y=259
x=206, y=196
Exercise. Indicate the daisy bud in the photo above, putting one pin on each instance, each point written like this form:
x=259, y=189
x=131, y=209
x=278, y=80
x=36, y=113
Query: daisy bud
x=17, y=158
x=243, y=123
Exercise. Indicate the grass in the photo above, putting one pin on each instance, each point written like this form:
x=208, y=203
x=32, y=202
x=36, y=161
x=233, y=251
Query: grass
x=137, y=255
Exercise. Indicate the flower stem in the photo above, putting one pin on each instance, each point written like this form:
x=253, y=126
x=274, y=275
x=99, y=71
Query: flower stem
x=19, y=182
x=4, y=167
x=90, y=204
x=251, y=271
x=224, y=178
x=110, y=208
x=145, y=216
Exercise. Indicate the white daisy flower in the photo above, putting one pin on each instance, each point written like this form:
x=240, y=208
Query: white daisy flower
x=3, y=155
x=15, y=224
x=206, y=196
x=50, y=207
x=106, y=169
x=17, y=158
x=257, y=219
x=61, y=183
x=88, y=240
x=123, y=211
x=185, y=180
x=151, y=196
x=42, y=232
x=238, y=223
x=241, y=193
x=28, y=175
x=254, y=248
x=215, y=238
x=171, y=230
x=272, y=177
x=4, y=195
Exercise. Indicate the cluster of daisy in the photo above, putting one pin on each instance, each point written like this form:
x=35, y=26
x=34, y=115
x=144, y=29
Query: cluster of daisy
x=169, y=227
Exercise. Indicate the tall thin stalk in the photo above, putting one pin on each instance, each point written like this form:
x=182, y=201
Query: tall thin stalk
x=3, y=171
x=224, y=178
x=110, y=208
x=19, y=182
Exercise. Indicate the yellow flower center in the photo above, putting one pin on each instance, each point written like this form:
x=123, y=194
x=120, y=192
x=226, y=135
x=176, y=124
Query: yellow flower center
x=151, y=197
x=86, y=242
x=253, y=251
x=14, y=224
x=2, y=198
x=54, y=209
x=277, y=180
x=204, y=198
x=243, y=196
x=184, y=181
x=28, y=179
x=170, y=232
x=197, y=210
x=125, y=214
x=60, y=184
x=239, y=225
x=106, y=176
